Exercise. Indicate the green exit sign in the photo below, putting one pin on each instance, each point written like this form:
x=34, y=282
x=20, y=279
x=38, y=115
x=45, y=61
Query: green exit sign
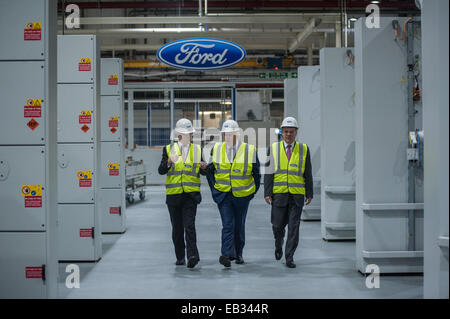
x=278, y=75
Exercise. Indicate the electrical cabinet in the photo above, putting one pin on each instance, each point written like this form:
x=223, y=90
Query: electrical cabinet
x=111, y=76
x=28, y=182
x=112, y=158
x=76, y=116
x=386, y=234
x=76, y=175
x=112, y=207
x=111, y=118
x=77, y=232
x=337, y=125
x=23, y=95
x=79, y=117
x=77, y=59
x=23, y=27
x=309, y=131
x=111, y=170
x=22, y=188
x=23, y=268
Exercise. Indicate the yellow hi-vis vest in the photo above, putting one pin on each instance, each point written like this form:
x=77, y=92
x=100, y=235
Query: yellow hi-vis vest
x=288, y=175
x=183, y=176
x=236, y=176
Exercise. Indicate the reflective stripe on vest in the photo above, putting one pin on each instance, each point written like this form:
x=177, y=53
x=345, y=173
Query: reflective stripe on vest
x=288, y=175
x=237, y=176
x=183, y=176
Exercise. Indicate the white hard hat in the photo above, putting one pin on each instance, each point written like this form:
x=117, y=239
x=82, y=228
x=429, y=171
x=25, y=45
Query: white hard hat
x=184, y=126
x=230, y=126
x=289, y=122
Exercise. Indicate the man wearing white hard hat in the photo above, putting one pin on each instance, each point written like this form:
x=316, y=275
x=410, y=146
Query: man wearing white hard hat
x=288, y=185
x=182, y=163
x=234, y=178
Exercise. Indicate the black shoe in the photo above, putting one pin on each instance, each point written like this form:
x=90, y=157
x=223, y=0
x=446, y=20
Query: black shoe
x=290, y=264
x=224, y=260
x=192, y=262
x=239, y=260
x=278, y=253
x=232, y=258
x=180, y=262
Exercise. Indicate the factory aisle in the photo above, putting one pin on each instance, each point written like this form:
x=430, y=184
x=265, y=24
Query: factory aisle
x=140, y=263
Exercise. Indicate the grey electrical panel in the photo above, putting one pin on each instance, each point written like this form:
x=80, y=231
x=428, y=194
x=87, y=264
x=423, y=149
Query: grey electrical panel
x=112, y=158
x=309, y=132
x=111, y=118
x=79, y=118
x=28, y=182
x=112, y=209
x=22, y=122
x=337, y=125
x=384, y=233
x=21, y=174
x=76, y=116
x=76, y=173
x=76, y=232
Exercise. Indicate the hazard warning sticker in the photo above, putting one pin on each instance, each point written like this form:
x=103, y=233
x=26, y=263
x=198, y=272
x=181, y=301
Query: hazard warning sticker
x=113, y=79
x=85, y=117
x=33, y=108
x=114, y=210
x=84, y=178
x=33, y=195
x=87, y=232
x=33, y=272
x=84, y=64
x=113, y=121
x=32, y=124
x=85, y=128
x=32, y=31
x=113, y=130
x=113, y=169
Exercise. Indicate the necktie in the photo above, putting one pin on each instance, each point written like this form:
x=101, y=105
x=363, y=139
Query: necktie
x=288, y=152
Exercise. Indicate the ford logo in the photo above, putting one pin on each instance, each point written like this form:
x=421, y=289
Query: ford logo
x=201, y=54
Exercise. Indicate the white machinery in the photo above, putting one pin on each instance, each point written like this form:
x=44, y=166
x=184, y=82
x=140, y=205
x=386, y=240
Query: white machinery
x=337, y=116
x=28, y=187
x=78, y=144
x=435, y=72
x=309, y=120
x=136, y=179
x=112, y=168
x=389, y=197
x=291, y=98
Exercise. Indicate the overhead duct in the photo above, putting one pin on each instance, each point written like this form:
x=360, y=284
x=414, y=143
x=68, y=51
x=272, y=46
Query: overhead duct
x=302, y=36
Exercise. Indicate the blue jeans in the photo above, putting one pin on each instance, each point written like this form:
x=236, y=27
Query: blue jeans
x=233, y=212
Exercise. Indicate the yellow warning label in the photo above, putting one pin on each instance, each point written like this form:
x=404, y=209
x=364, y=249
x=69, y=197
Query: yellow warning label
x=84, y=174
x=113, y=118
x=34, y=26
x=34, y=102
x=113, y=165
x=114, y=76
x=31, y=190
x=86, y=113
x=85, y=60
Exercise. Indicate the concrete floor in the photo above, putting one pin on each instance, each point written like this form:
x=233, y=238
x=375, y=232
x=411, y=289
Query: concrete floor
x=140, y=263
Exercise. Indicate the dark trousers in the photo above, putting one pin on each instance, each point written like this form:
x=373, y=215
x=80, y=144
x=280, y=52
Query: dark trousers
x=287, y=215
x=233, y=212
x=182, y=216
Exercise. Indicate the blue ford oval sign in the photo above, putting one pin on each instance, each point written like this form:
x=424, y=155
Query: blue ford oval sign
x=201, y=54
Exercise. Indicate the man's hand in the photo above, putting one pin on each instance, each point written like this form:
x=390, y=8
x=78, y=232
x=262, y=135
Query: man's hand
x=268, y=200
x=308, y=201
x=203, y=165
x=172, y=159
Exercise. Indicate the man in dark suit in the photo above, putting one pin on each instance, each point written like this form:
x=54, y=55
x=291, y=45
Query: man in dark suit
x=288, y=184
x=182, y=162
